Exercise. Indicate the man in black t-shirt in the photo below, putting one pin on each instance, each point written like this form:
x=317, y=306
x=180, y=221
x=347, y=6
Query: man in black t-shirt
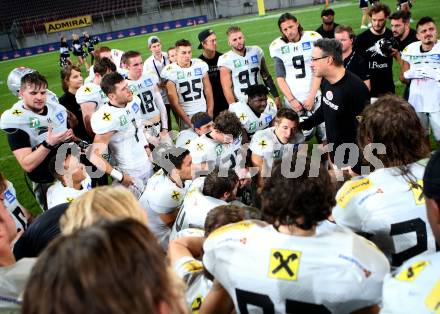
x=328, y=26
x=354, y=62
x=405, y=35
x=371, y=45
x=208, y=42
x=344, y=96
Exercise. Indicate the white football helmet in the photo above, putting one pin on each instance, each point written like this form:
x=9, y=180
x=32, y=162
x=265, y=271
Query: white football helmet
x=14, y=78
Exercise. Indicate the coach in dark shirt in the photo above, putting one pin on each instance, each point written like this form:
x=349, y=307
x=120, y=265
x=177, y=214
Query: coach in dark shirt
x=354, y=62
x=208, y=42
x=327, y=28
x=344, y=96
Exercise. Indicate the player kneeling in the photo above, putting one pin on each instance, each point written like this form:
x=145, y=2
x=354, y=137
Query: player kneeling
x=289, y=264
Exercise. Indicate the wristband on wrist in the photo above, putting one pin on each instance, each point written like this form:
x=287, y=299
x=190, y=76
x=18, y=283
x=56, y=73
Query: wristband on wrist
x=47, y=145
x=117, y=175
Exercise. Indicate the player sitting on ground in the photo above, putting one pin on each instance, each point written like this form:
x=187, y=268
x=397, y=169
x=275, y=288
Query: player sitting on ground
x=202, y=124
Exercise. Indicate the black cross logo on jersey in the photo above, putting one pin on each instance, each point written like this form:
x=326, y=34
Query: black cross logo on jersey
x=17, y=112
x=106, y=116
x=196, y=304
x=262, y=143
x=284, y=264
x=175, y=196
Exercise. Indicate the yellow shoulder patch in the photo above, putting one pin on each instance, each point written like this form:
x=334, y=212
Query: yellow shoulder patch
x=193, y=266
x=242, y=225
x=87, y=90
x=417, y=191
x=284, y=264
x=106, y=116
x=411, y=273
x=17, y=112
x=433, y=299
x=175, y=195
x=350, y=189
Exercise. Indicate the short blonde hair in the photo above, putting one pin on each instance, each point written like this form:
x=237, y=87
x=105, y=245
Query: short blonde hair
x=105, y=202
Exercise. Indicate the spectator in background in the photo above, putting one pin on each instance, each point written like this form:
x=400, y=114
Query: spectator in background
x=354, y=62
x=64, y=53
x=208, y=44
x=155, y=63
x=374, y=45
x=363, y=5
x=78, y=51
x=327, y=28
x=89, y=43
x=172, y=54
x=123, y=254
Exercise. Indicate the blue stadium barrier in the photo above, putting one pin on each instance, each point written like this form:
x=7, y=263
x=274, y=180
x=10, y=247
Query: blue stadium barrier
x=146, y=29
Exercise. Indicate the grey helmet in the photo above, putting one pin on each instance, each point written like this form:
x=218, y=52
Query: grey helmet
x=14, y=78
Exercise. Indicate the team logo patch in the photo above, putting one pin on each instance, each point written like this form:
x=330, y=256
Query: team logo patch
x=412, y=272
x=198, y=71
x=135, y=107
x=276, y=154
x=435, y=57
x=285, y=49
x=180, y=75
x=237, y=63
x=329, y=95
x=123, y=120
x=196, y=304
x=432, y=301
x=268, y=119
x=9, y=196
x=102, y=94
x=307, y=45
x=148, y=82
x=87, y=90
x=417, y=191
x=284, y=264
x=254, y=59
x=242, y=117
x=252, y=126
x=175, y=195
x=199, y=147
x=262, y=143
x=193, y=266
x=106, y=116
x=69, y=199
x=219, y=149
x=60, y=117
x=34, y=122
x=17, y=112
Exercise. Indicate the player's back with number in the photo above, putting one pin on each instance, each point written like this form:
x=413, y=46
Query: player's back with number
x=334, y=271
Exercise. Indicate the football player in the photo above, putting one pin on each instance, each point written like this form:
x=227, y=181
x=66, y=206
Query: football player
x=270, y=144
x=144, y=85
x=287, y=263
x=388, y=206
x=105, y=52
x=21, y=216
x=72, y=181
x=414, y=287
x=117, y=126
x=292, y=54
x=258, y=112
x=166, y=190
x=90, y=96
x=202, y=124
x=188, y=87
x=218, y=147
x=35, y=126
x=184, y=252
x=215, y=190
x=242, y=67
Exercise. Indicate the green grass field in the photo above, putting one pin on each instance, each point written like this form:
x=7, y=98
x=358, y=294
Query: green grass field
x=258, y=30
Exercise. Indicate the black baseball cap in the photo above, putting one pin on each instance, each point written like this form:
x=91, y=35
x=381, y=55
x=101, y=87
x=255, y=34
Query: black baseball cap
x=326, y=12
x=203, y=35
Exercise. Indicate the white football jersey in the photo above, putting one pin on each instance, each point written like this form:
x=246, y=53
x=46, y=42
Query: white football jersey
x=144, y=88
x=389, y=210
x=250, y=121
x=264, y=270
x=198, y=285
x=185, y=137
x=128, y=141
x=89, y=79
x=266, y=144
x=194, y=209
x=189, y=84
x=59, y=194
x=245, y=70
x=90, y=92
x=36, y=125
x=424, y=94
x=206, y=149
x=153, y=65
x=14, y=207
x=161, y=196
x=297, y=60
x=414, y=287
